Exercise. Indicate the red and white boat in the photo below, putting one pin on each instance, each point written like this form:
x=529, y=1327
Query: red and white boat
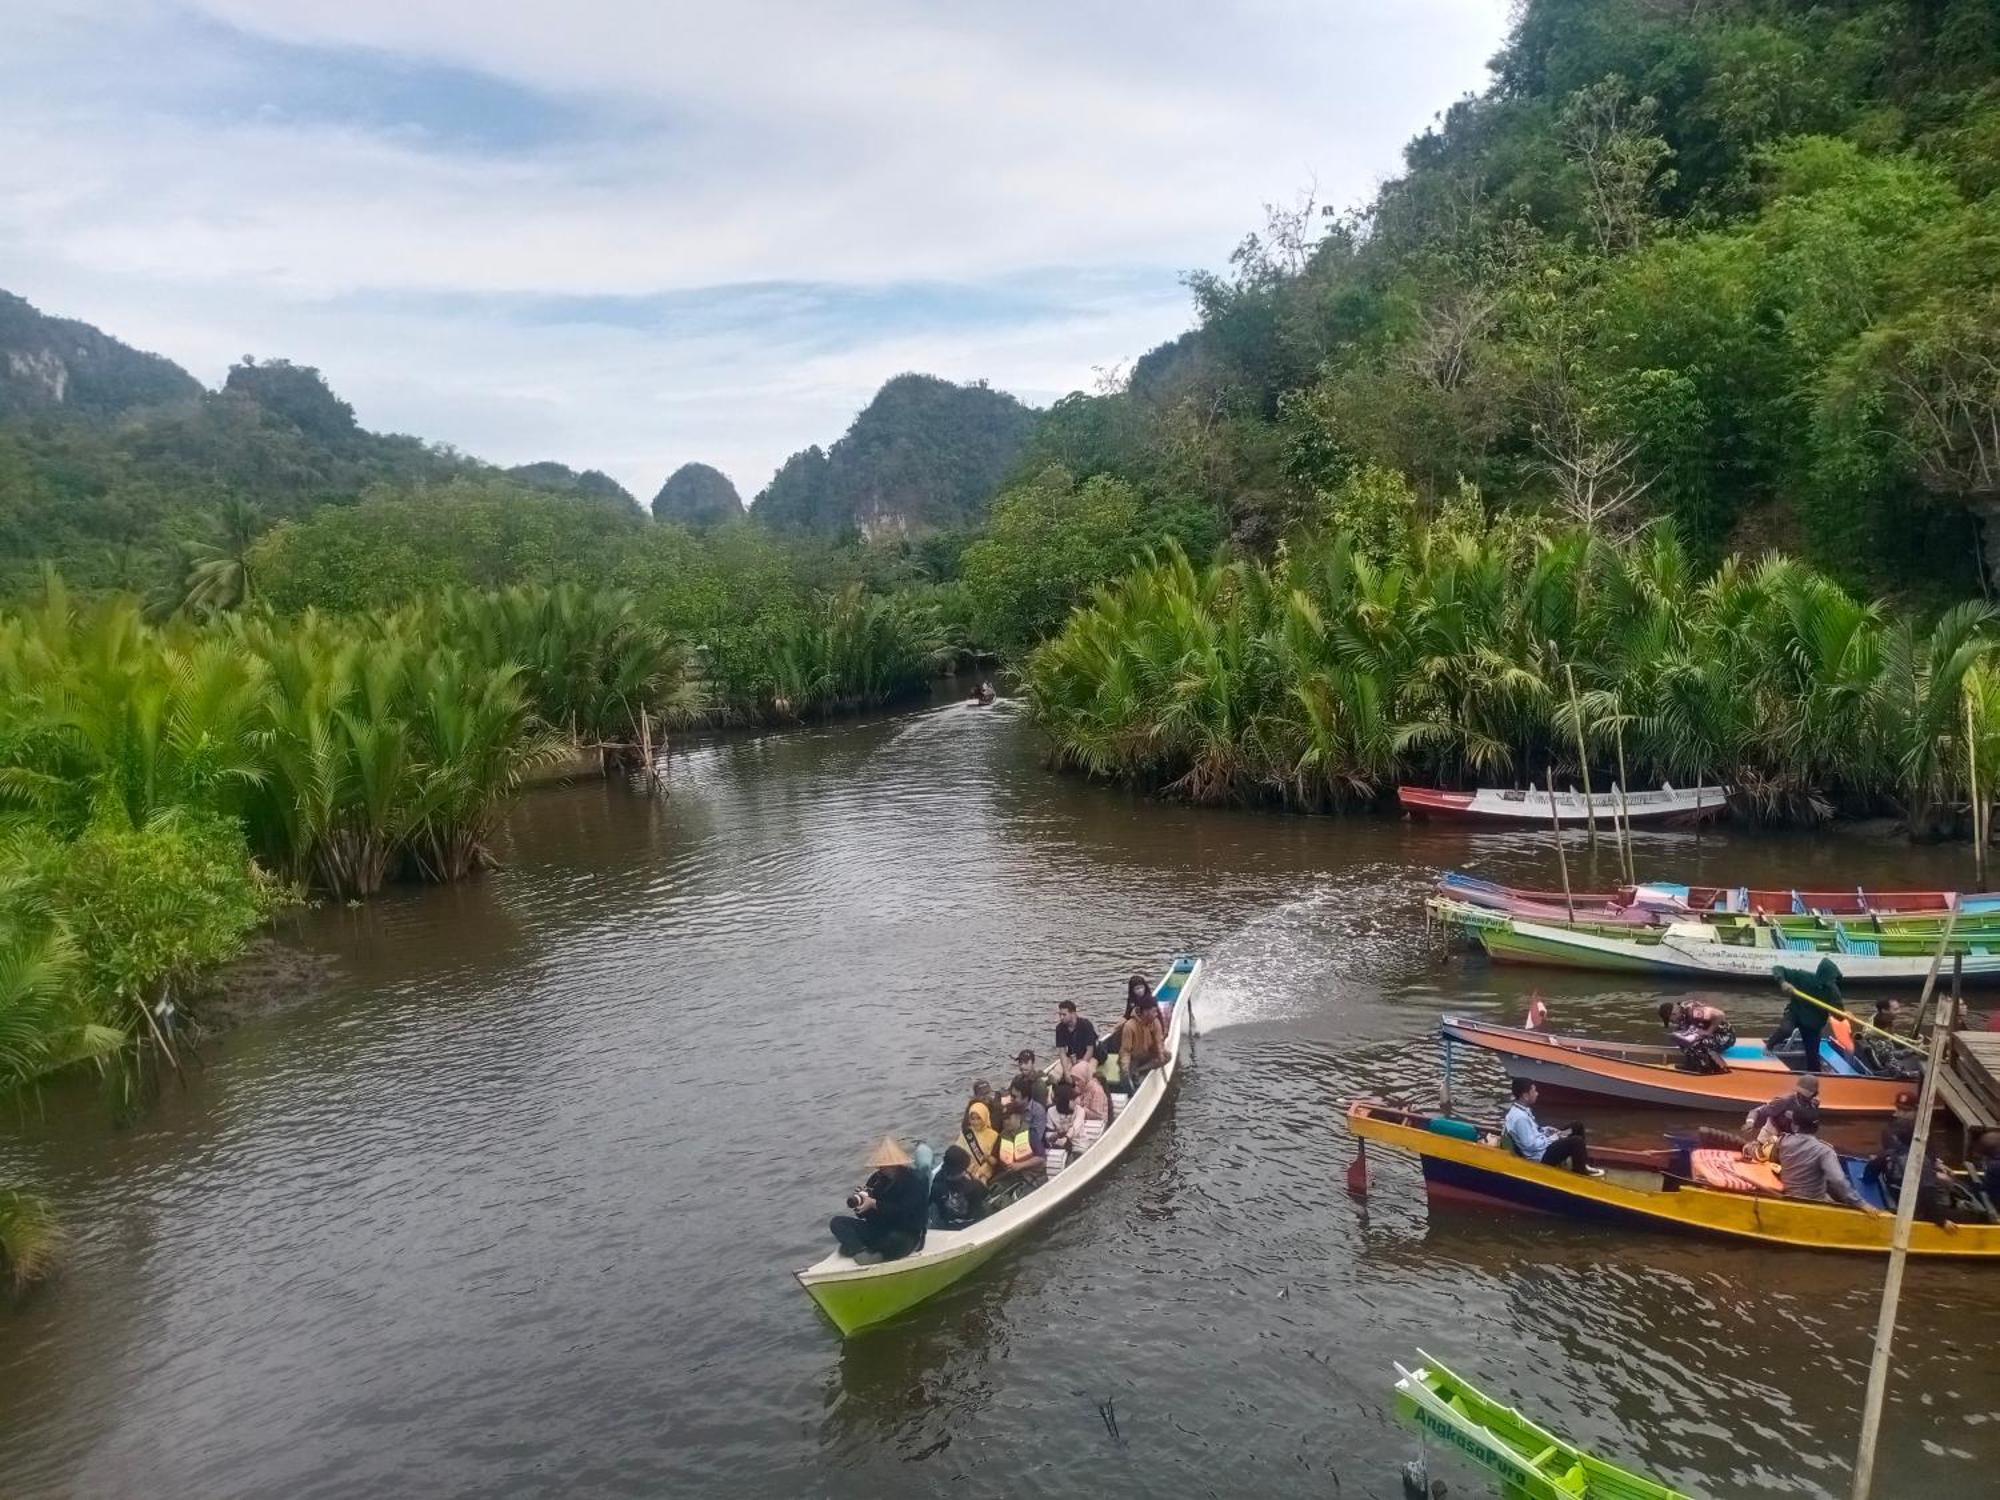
x=1539, y=808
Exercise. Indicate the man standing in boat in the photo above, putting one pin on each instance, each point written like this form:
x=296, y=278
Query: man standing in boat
x=1812, y=1000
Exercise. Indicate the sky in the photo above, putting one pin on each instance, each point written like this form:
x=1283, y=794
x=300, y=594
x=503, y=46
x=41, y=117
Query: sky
x=626, y=234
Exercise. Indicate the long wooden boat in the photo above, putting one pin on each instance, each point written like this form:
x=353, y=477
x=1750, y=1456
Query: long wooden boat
x=1673, y=1189
x=1808, y=934
x=1651, y=1074
x=859, y=1294
x=1658, y=902
x=1538, y=809
x=1531, y=1462
x=1692, y=950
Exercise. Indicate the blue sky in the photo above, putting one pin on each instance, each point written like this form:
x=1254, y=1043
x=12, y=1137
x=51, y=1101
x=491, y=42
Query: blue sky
x=629, y=233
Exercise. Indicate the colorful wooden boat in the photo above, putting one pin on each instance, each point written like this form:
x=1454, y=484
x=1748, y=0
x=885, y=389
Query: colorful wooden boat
x=1539, y=809
x=1694, y=950
x=1808, y=934
x=1651, y=1074
x=859, y=1294
x=1659, y=902
x=1531, y=1462
x=1680, y=1189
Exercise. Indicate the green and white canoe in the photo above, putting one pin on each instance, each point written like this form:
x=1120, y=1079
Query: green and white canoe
x=860, y=1294
x=1531, y=1462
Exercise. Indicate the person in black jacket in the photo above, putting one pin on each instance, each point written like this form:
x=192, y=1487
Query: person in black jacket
x=957, y=1197
x=1801, y=1015
x=889, y=1212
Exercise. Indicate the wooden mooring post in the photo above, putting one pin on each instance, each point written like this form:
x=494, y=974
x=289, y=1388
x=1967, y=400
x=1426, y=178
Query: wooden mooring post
x=1582, y=756
x=1562, y=859
x=1899, y=1241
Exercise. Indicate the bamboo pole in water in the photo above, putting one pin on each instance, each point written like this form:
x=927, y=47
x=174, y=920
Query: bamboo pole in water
x=1582, y=755
x=1972, y=794
x=1562, y=859
x=1625, y=809
x=1899, y=1242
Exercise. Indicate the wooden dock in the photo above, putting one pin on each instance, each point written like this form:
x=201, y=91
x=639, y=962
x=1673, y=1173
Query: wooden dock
x=1970, y=1084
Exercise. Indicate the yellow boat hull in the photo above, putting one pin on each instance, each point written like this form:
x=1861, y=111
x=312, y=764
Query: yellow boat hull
x=1652, y=1199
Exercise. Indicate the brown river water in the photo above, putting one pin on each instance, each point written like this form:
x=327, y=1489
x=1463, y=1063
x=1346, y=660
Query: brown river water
x=513, y=1210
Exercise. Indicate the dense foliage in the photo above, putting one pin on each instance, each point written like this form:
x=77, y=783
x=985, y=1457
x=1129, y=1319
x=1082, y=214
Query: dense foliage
x=1729, y=263
x=1445, y=655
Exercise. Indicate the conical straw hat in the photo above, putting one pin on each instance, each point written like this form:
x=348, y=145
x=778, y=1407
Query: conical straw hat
x=888, y=1154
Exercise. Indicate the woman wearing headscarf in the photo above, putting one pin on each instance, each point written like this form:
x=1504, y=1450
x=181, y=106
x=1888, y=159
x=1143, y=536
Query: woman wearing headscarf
x=981, y=1141
x=1801, y=1015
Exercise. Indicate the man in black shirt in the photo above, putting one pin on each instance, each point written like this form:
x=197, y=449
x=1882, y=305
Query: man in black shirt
x=889, y=1213
x=1075, y=1036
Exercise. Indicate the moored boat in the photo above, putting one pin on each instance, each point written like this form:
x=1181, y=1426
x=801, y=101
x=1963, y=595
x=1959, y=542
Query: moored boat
x=1806, y=934
x=1694, y=950
x=1647, y=1074
x=1538, y=808
x=1679, y=1189
x=858, y=1294
x=1657, y=902
x=1531, y=1462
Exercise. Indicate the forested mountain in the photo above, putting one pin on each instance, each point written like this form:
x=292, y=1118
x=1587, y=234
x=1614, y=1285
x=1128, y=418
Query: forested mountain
x=1736, y=262
x=923, y=455
x=119, y=467
x=697, y=495
x=58, y=364
x=561, y=479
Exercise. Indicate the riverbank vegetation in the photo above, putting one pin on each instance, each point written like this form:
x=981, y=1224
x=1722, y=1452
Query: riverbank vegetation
x=1443, y=652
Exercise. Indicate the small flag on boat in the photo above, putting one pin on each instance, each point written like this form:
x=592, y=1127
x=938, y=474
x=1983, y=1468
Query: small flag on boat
x=1538, y=1012
x=1357, y=1171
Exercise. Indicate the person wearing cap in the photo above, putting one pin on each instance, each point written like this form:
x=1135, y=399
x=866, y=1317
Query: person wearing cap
x=1025, y=1074
x=888, y=1213
x=1801, y=1015
x=1769, y=1123
x=1886, y=1165
x=1812, y=1170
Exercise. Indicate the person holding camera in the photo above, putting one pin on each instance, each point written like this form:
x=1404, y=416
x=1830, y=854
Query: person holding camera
x=888, y=1213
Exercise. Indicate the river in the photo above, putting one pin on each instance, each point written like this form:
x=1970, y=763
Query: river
x=514, y=1209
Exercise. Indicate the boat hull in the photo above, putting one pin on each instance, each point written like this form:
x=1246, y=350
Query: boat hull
x=1475, y=1169
x=1679, y=956
x=1657, y=903
x=857, y=1296
x=1646, y=1075
x=1504, y=806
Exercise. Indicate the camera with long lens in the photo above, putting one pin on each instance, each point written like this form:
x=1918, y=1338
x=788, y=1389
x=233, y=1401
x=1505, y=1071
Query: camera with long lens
x=854, y=1199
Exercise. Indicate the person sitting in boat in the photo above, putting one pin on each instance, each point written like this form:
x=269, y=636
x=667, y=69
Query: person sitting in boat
x=1876, y=1052
x=1770, y=1122
x=1811, y=1169
x=1138, y=992
x=1895, y=1141
x=1026, y=1074
x=1142, y=1043
x=957, y=1197
x=1066, y=1120
x=1075, y=1036
x=887, y=1214
x=1801, y=1014
x=1020, y=1167
x=981, y=1142
x=1092, y=1102
x=1034, y=1106
x=1544, y=1143
x=1702, y=1032
x=1982, y=1169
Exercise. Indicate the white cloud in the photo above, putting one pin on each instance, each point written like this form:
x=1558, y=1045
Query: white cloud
x=833, y=144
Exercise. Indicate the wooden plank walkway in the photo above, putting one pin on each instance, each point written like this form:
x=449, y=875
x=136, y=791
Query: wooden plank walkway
x=1971, y=1085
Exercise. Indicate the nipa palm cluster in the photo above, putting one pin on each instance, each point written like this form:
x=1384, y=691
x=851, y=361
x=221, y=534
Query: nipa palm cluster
x=1326, y=677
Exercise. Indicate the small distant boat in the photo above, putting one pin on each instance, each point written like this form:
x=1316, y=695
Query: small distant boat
x=1539, y=808
x=1681, y=1188
x=1659, y=902
x=1650, y=1074
x=1696, y=950
x=1531, y=1462
x=859, y=1294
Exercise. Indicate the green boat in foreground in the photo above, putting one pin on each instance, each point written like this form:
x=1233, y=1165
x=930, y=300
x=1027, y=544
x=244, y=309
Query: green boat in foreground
x=1531, y=1462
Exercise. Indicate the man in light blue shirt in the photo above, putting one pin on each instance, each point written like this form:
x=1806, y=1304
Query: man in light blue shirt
x=1536, y=1142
